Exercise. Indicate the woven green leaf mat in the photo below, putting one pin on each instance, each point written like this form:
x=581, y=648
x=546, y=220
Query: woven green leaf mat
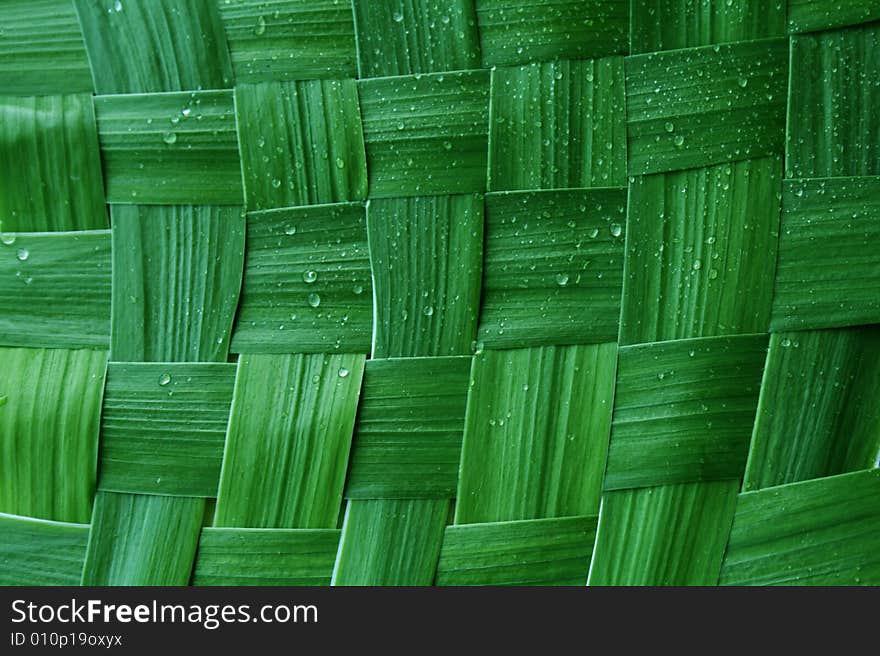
x=453, y=292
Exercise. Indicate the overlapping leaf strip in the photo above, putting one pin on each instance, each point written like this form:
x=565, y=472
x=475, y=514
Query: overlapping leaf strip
x=439, y=292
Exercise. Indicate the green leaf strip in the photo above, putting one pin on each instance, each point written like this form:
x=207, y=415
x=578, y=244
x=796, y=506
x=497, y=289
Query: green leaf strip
x=415, y=36
x=41, y=49
x=516, y=32
x=553, y=267
x=683, y=410
x=307, y=284
x=390, y=542
x=564, y=126
x=288, y=441
x=832, y=103
x=247, y=556
x=179, y=45
x=55, y=289
x=40, y=552
x=820, y=532
x=426, y=255
x=704, y=106
x=815, y=15
x=827, y=244
x=301, y=143
x=665, y=535
x=531, y=552
x=166, y=148
x=536, y=433
x=48, y=458
x=701, y=248
x=409, y=429
x=163, y=427
x=49, y=153
x=426, y=134
x=138, y=539
x=819, y=411
x=676, y=24
x=177, y=275
x=284, y=40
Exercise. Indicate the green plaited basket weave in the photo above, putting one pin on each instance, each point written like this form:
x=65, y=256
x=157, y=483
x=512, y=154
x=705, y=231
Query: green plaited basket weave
x=454, y=292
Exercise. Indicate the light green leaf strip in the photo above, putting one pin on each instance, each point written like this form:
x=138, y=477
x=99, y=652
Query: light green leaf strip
x=664, y=535
x=833, y=103
x=426, y=134
x=288, y=442
x=553, y=267
x=47, y=458
x=177, y=276
x=822, y=532
x=514, y=32
x=701, y=247
x=55, y=289
x=828, y=243
x=683, y=410
x=416, y=36
x=704, y=106
x=427, y=256
x=390, y=542
x=536, y=433
x=163, y=427
x=248, y=556
x=301, y=143
x=41, y=49
x=814, y=15
x=181, y=45
x=289, y=39
x=556, y=125
x=49, y=153
x=531, y=552
x=307, y=285
x=819, y=412
x=140, y=539
x=40, y=552
x=165, y=148
x=409, y=429
x=674, y=24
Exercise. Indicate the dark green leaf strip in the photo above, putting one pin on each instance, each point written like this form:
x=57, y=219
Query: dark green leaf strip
x=390, y=542
x=180, y=45
x=283, y=40
x=246, y=556
x=55, y=289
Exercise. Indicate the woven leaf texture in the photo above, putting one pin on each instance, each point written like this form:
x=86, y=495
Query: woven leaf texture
x=439, y=292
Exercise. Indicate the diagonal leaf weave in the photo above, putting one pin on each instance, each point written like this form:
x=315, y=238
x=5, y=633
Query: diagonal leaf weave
x=468, y=292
